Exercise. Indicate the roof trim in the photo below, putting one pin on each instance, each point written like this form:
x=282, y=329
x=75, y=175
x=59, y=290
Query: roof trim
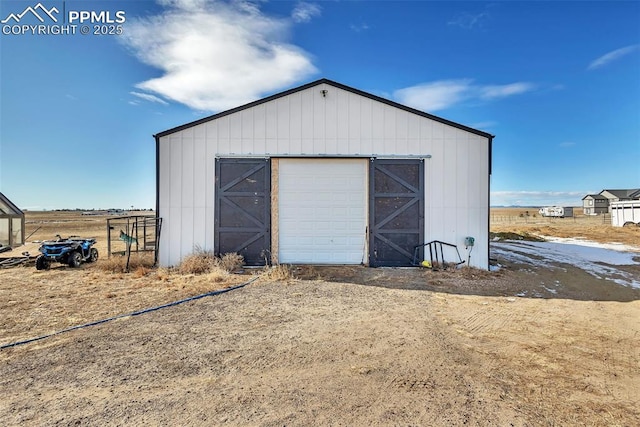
x=332, y=83
x=9, y=203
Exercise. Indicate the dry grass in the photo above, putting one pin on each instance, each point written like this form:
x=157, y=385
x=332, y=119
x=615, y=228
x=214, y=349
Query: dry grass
x=140, y=264
x=231, y=262
x=277, y=273
x=199, y=262
x=594, y=228
x=202, y=261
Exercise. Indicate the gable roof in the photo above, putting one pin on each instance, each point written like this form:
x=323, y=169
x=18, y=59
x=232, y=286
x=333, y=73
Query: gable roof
x=623, y=194
x=595, y=196
x=334, y=84
x=7, y=207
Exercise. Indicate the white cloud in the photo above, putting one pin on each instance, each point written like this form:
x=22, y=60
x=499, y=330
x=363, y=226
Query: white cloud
x=443, y=94
x=358, y=28
x=537, y=198
x=493, y=92
x=149, y=97
x=434, y=96
x=612, y=56
x=470, y=21
x=216, y=55
x=303, y=12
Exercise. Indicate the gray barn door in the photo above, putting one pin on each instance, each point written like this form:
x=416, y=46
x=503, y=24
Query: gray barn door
x=396, y=216
x=243, y=209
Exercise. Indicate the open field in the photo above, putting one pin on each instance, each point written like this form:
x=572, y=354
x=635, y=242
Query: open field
x=530, y=344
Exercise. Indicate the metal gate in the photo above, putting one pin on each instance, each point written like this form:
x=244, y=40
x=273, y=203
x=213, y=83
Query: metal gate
x=396, y=211
x=243, y=209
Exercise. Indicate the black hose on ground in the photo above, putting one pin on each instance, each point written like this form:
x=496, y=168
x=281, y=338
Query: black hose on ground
x=135, y=313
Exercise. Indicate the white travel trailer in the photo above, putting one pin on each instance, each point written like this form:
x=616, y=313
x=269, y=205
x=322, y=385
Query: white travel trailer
x=556, y=211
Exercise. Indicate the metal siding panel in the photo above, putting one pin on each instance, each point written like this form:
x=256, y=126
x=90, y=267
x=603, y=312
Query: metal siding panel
x=271, y=120
x=389, y=131
x=308, y=146
x=413, y=126
x=331, y=118
x=247, y=124
x=343, y=118
x=414, y=146
x=199, y=229
x=295, y=117
x=260, y=122
x=173, y=229
x=199, y=131
x=210, y=195
x=222, y=139
x=426, y=129
x=319, y=116
x=175, y=189
x=377, y=120
x=478, y=174
x=366, y=121
x=307, y=116
x=165, y=174
x=247, y=146
x=438, y=184
x=164, y=201
x=402, y=124
x=283, y=118
x=462, y=173
x=354, y=124
x=331, y=146
x=187, y=172
x=224, y=127
x=235, y=126
x=449, y=174
x=187, y=231
x=200, y=173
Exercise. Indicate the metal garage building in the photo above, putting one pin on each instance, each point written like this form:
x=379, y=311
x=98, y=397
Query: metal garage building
x=322, y=174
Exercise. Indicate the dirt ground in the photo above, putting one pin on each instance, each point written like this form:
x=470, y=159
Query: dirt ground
x=326, y=346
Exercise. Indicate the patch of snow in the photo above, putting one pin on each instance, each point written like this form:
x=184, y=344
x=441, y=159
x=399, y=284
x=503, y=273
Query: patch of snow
x=597, y=259
x=620, y=247
x=496, y=267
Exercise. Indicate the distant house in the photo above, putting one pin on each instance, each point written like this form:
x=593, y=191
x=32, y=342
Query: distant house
x=11, y=223
x=594, y=204
x=621, y=195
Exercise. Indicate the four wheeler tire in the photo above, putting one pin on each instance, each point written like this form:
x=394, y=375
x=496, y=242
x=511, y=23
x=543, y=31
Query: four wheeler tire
x=42, y=263
x=75, y=259
x=93, y=255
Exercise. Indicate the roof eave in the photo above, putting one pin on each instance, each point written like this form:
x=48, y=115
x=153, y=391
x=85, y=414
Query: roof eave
x=332, y=83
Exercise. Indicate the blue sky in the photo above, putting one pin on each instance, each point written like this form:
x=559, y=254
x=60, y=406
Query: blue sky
x=558, y=83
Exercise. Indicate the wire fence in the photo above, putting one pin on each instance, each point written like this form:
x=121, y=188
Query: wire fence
x=542, y=220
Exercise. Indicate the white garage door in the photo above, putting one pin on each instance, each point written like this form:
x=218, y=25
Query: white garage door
x=322, y=210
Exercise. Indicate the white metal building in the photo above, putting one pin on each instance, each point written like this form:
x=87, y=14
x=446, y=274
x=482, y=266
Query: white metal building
x=625, y=212
x=322, y=174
